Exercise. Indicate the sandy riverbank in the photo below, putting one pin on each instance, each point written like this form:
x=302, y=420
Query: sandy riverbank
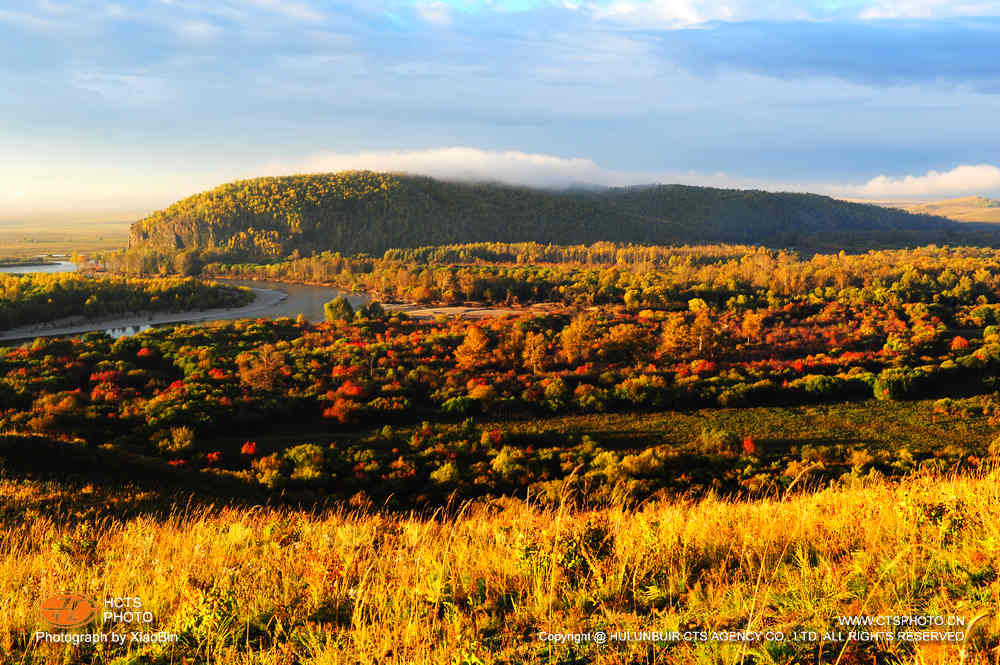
x=464, y=311
x=74, y=325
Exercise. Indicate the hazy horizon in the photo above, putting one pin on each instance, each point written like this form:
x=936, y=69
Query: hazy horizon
x=17, y=222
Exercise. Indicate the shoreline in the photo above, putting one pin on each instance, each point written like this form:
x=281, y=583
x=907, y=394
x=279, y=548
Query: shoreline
x=263, y=299
x=419, y=311
x=413, y=309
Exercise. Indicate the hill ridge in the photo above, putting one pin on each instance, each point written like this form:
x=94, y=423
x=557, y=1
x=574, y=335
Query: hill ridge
x=370, y=212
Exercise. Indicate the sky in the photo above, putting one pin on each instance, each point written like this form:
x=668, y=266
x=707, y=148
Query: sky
x=132, y=105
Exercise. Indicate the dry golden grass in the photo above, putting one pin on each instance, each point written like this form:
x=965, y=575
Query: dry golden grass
x=964, y=209
x=64, y=235
x=478, y=583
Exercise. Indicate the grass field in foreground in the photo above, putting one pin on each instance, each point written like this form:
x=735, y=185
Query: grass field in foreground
x=479, y=583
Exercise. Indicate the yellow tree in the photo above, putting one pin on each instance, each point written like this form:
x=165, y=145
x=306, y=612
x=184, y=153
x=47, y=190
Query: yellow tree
x=536, y=352
x=578, y=338
x=473, y=351
x=753, y=324
x=510, y=346
x=675, y=336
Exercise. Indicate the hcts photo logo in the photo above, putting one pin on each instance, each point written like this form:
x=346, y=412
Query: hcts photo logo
x=67, y=610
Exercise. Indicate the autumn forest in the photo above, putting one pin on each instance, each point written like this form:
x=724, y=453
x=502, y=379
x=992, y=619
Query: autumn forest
x=634, y=436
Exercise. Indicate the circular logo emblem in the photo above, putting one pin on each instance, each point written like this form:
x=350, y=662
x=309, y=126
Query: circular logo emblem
x=67, y=610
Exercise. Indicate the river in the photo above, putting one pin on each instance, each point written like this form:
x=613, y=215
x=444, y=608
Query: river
x=59, y=266
x=304, y=299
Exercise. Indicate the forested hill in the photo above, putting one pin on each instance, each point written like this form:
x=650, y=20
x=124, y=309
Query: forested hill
x=363, y=211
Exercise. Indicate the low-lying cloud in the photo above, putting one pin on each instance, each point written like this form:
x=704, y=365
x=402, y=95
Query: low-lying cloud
x=964, y=179
x=463, y=163
x=541, y=170
x=122, y=187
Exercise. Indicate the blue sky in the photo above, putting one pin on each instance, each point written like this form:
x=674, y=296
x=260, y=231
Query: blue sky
x=131, y=105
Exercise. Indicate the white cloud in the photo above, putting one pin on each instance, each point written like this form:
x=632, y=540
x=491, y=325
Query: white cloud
x=534, y=169
x=199, y=31
x=96, y=182
x=926, y=9
x=295, y=10
x=686, y=13
x=671, y=13
x=435, y=13
x=114, y=11
x=53, y=7
x=26, y=20
x=511, y=167
x=457, y=163
x=134, y=89
x=964, y=179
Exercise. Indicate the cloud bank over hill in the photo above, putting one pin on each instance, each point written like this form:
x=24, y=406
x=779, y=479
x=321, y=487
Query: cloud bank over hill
x=541, y=170
x=128, y=189
x=461, y=163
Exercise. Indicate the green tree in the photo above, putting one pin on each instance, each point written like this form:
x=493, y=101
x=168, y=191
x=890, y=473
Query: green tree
x=188, y=263
x=338, y=309
x=372, y=311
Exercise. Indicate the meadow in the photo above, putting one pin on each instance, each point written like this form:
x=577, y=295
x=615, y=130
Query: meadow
x=965, y=209
x=64, y=234
x=493, y=581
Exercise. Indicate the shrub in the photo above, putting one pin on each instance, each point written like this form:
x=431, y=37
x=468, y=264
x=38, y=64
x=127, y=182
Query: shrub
x=307, y=460
x=446, y=474
x=959, y=343
x=458, y=405
x=271, y=471
x=590, y=398
x=506, y=465
x=556, y=394
x=179, y=441
x=644, y=390
x=820, y=385
x=898, y=383
x=736, y=395
x=719, y=442
x=372, y=311
x=994, y=447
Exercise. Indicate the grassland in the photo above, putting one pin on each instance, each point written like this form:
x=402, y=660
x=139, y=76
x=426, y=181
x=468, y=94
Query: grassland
x=64, y=234
x=963, y=209
x=479, y=583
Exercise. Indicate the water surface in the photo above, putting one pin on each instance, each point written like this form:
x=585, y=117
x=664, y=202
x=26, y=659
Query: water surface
x=304, y=299
x=59, y=266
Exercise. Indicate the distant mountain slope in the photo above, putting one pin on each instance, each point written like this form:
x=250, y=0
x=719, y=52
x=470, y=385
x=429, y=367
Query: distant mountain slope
x=363, y=211
x=965, y=209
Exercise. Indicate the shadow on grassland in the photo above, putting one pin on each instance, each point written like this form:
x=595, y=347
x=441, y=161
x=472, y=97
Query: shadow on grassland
x=42, y=474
